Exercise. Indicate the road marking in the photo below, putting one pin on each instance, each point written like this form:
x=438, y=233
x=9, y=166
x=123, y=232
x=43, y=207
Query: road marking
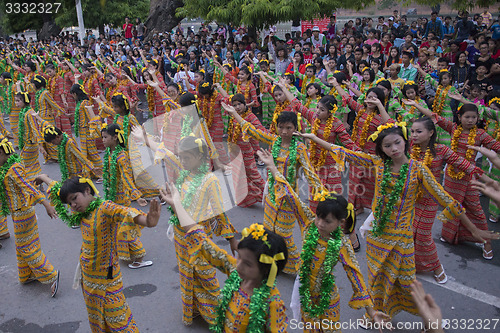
x=464, y=290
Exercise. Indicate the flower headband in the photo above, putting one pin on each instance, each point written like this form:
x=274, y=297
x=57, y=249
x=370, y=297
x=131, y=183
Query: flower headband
x=443, y=71
x=402, y=124
x=258, y=232
x=90, y=183
x=379, y=80
x=409, y=83
x=494, y=100
x=7, y=147
x=323, y=195
x=125, y=100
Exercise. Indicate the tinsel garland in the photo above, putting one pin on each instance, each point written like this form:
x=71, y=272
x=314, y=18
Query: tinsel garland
x=186, y=126
x=61, y=155
x=258, y=307
x=37, y=99
x=381, y=218
x=13, y=158
x=74, y=219
x=292, y=161
x=124, y=126
x=194, y=187
x=21, y=128
x=76, y=125
x=328, y=279
x=109, y=172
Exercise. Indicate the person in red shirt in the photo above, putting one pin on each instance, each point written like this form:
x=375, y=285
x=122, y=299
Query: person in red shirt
x=127, y=28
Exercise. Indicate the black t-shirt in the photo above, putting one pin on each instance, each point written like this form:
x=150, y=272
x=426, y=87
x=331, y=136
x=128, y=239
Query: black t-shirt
x=485, y=83
x=343, y=60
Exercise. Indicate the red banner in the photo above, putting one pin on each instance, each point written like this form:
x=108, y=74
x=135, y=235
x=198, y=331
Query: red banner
x=322, y=23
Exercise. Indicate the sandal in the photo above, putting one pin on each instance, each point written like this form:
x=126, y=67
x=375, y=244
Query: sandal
x=488, y=255
x=365, y=322
x=140, y=264
x=356, y=248
x=55, y=286
x=5, y=236
x=443, y=240
x=438, y=277
x=99, y=181
x=493, y=219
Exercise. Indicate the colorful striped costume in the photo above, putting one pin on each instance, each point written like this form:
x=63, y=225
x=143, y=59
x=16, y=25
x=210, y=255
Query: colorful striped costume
x=128, y=245
x=32, y=139
x=203, y=252
x=48, y=110
x=461, y=189
x=279, y=218
x=390, y=256
x=87, y=138
x=361, y=296
x=76, y=161
x=21, y=197
x=426, y=257
x=199, y=284
x=267, y=102
x=55, y=86
x=67, y=83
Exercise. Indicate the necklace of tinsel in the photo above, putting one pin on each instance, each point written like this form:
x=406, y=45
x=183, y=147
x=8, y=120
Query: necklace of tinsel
x=37, y=99
x=327, y=278
x=74, y=219
x=186, y=126
x=381, y=217
x=109, y=172
x=61, y=155
x=13, y=158
x=8, y=98
x=194, y=187
x=258, y=307
x=76, y=125
x=21, y=128
x=469, y=154
x=124, y=126
x=292, y=161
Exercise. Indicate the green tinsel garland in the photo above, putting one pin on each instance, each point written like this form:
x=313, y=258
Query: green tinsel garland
x=37, y=99
x=13, y=158
x=292, y=161
x=61, y=155
x=21, y=128
x=186, y=126
x=193, y=188
x=109, y=174
x=381, y=218
x=74, y=219
x=258, y=306
x=9, y=98
x=331, y=258
x=124, y=127
x=76, y=125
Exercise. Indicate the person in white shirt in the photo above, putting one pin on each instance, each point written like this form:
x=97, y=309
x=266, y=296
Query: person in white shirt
x=318, y=39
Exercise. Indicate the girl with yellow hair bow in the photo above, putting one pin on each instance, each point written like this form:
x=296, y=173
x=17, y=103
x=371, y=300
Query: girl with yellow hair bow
x=315, y=294
x=390, y=249
x=243, y=84
x=18, y=196
x=262, y=255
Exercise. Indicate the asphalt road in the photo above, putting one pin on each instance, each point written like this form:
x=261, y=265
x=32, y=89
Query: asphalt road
x=153, y=293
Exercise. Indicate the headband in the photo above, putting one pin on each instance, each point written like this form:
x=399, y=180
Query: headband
x=202, y=71
x=37, y=79
x=89, y=182
x=402, y=124
x=443, y=71
x=7, y=147
x=409, y=83
x=379, y=80
x=494, y=100
x=308, y=65
x=82, y=89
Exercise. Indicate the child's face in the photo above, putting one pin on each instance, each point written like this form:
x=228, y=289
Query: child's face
x=198, y=77
x=327, y=225
x=375, y=66
x=311, y=91
x=446, y=80
x=190, y=161
x=468, y=119
x=393, y=72
x=441, y=65
x=79, y=201
x=322, y=112
x=19, y=102
x=419, y=133
x=481, y=70
x=108, y=140
x=475, y=92
x=366, y=75
x=394, y=53
x=285, y=130
x=172, y=92
x=247, y=266
x=118, y=109
x=279, y=96
x=57, y=140
x=239, y=107
x=309, y=72
x=411, y=94
x=393, y=145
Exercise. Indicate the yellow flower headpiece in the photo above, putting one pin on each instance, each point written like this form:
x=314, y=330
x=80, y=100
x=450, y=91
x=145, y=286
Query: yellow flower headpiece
x=334, y=109
x=50, y=130
x=125, y=100
x=494, y=100
x=7, y=147
x=443, y=71
x=266, y=61
x=337, y=71
x=228, y=65
x=379, y=80
x=308, y=65
x=409, y=83
x=205, y=85
x=104, y=126
x=323, y=195
x=402, y=124
x=90, y=183
x=250, y=69
x=299, y=121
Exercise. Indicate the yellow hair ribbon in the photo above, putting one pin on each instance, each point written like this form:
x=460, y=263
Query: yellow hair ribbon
x=50, y=130
x=143, y=69
x=202, y=71
x=7, y=146
x=308, y=65
x=266, y=259
x=37, y=79
x=200, y=144
x=350, y=212
x=299, y=121
x=409, y=83
x=26, y=97
x=82, y=89
x=379, y=80
x=205, y=84
x=125, y=100
x=89, y=182
x=337, y=71
x=121, y=135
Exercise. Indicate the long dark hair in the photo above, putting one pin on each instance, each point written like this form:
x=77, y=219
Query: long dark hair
x=73, y=185
x=429, y=125
x=113, y=130
x=78, y=90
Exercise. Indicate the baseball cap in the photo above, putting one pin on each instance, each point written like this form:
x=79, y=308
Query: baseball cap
x=315, y=28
